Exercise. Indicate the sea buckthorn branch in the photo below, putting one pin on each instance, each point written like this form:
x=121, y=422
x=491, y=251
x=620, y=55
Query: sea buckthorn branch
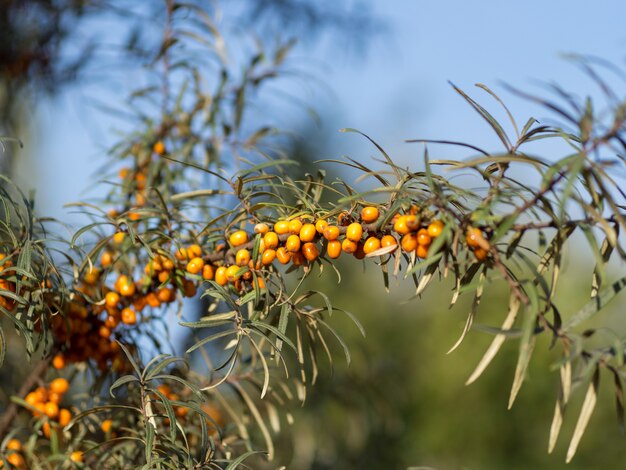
x=174, y=236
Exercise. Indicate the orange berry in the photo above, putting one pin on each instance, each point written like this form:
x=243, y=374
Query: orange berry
x=91, y=276
x=32, y=398
x=371, y=244
x=354, y=232
x=295, y=225
x=293, y=243
x=422, y=251
x=435, y=228
x=232, y=273
x=106, y=259
x=333, y=249
x=119, y=237
x=51, y=409
x=283, y=255
x=167, y=263
x=64, y=417
x=55, y=397
x=194, y=251
x=268, y=257
x=220, y=276
x=423, y=238
x=238, y=238
x=17, y=460
x=208, y=272
x=58, y=361
x=475, y=238
x=152, y=300
x=308, y=232
x=259, y=281
x=59, y=385
x=41, y=409
x=320, y=226
x=181, y=254
x=111, y=299
x=270, y=239
x=46, y=429
x=164, y=276
x=166, y=295
x=369, y=214
x=242, y=257
x=409, y=242
x=310, y=251
x=76, y=456
x=349, y=246
x=129, y=317
x=261, y=228
x=181, y=411
x=281, y=227
x=104, y=332
x=14, y=444
x=405, y=223
x=331, y=233
x=481, y=254
x=126, y=286
x=195, y=265
x=158, y=147
x=388, y=240
x=165, y=389
x=106, y=425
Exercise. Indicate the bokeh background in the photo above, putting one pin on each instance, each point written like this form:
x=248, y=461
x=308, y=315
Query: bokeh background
x=383, y=68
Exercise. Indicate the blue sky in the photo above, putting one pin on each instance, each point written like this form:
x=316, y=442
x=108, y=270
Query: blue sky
x=397, y=90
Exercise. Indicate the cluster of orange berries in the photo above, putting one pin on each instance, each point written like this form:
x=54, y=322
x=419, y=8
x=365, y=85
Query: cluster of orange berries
x=13, y=452
x=5, y=301
x=45, y=401
x=138, y=180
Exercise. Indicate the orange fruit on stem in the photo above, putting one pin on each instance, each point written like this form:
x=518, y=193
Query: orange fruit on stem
x=242, y=257
x=64, y=417
x=369, y=214
x=293, y=243
x=59, y=385
x=283, y=255
x=310, y=251
x=423, y=238
x=349, y=246
x=129, y=317
x=354, y=232
x=320, y=226
x=208, y=272
x=435, y=228
x=308, y=233
x=195, y=265
x=238, y=238
x=409, y=242
x=388, y=240
x=331, y=232
x=371, y=244
x=333, y=249
x=268, y=257
x=295, y=225
x=270, y=239
x=281, y=227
